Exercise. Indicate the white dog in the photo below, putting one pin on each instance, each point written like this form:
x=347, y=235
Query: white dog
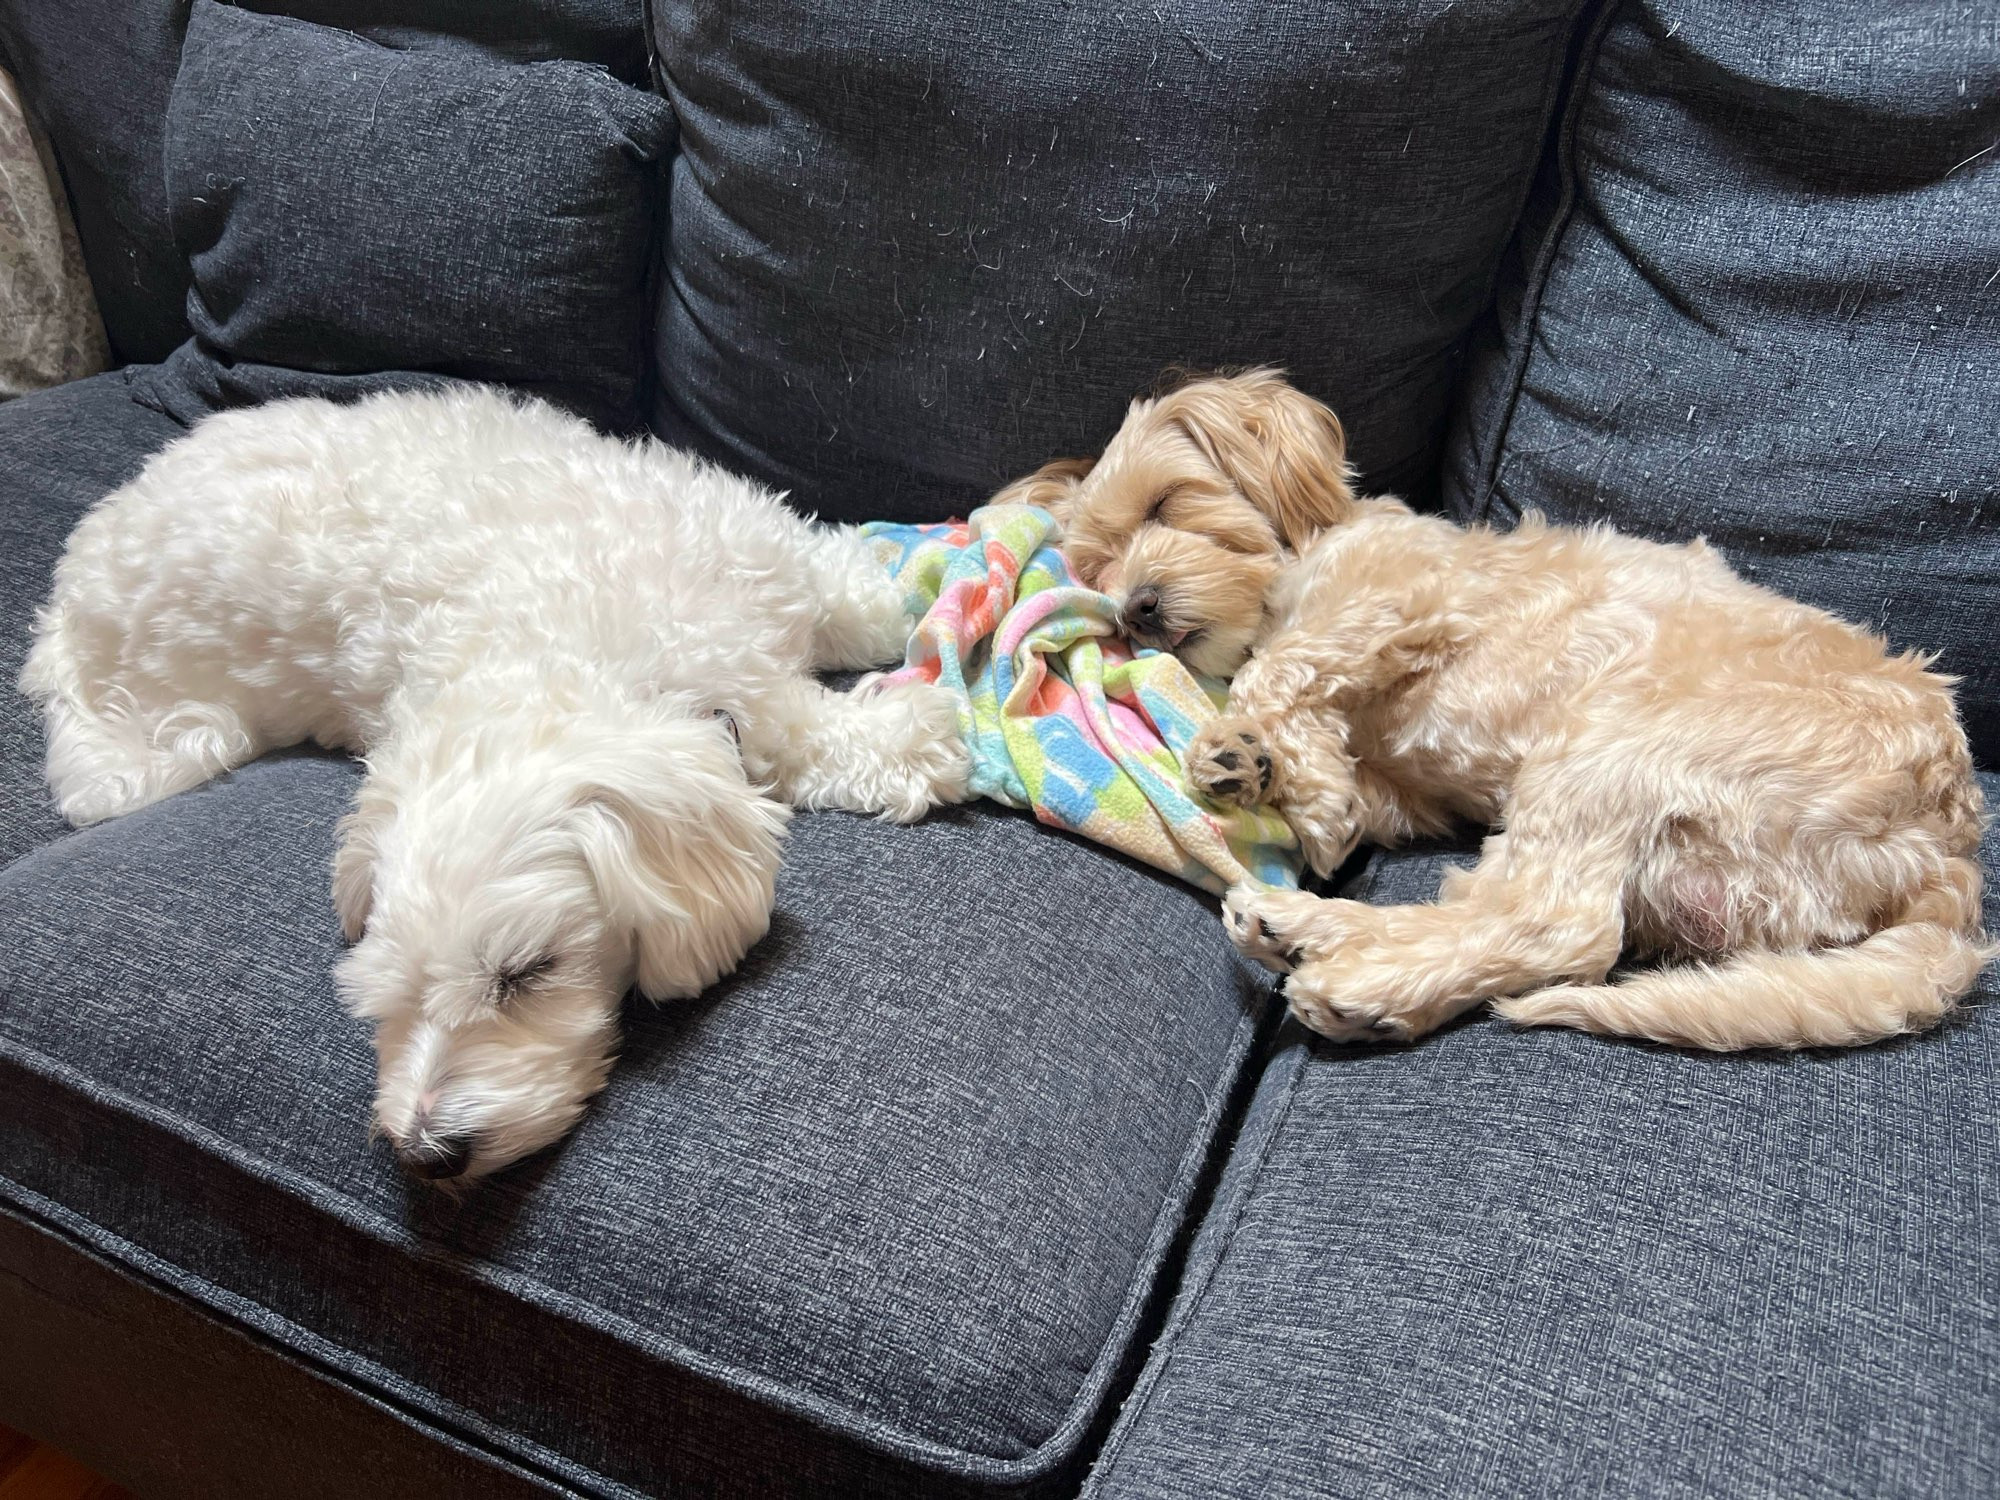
x=575, y=667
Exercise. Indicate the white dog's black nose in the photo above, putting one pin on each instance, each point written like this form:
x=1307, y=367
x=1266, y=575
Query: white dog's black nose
x=1142, y=611
x=435, y=1158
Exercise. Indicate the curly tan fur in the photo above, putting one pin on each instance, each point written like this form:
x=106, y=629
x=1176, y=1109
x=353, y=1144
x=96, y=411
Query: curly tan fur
x=1680, y=764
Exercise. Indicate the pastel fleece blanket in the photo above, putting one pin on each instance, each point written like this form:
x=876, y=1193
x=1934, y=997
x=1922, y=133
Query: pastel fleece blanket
x=1059, y=713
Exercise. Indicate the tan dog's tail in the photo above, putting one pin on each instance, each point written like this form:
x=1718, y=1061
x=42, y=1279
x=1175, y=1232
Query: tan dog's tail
x=1903, y=978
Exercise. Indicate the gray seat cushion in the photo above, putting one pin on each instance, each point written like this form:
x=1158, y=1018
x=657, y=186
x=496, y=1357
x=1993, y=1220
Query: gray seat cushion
x=1760, y=306
x=61, y=451
x=1500, y=1264
x=879, y=1215
x=916, y=250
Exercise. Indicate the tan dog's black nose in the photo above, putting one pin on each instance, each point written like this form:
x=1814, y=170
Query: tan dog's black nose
x=1142, y=611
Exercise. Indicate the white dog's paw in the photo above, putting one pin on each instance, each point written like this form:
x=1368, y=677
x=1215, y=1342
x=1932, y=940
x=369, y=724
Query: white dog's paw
x=866, y=616
x=927, y=765
x=891, y=748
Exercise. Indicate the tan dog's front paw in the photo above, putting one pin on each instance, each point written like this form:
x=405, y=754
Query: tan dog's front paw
x=1229, y=762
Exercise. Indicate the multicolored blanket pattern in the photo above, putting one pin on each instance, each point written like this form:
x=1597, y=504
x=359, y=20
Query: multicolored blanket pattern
x=1059, y=714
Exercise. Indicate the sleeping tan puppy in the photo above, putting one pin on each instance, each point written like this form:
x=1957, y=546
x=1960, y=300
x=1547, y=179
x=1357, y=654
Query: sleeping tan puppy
x=1684, y=765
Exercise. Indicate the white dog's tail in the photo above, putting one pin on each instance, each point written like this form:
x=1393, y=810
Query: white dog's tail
x=1903, y=978
x=108, y=753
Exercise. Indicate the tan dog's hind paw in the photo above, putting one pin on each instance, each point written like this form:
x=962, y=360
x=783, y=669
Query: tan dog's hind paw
x=1228, y=762
x=1328, y=949
x=1311, y=993
x=1267, y=925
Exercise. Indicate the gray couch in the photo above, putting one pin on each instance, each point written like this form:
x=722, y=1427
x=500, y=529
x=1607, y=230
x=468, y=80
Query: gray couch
x=994, y=1170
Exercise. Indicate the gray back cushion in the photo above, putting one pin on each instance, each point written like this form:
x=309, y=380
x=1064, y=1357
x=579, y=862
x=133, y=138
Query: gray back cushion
x=349, y=208
x=917, y=249
x=607, y=33
x=97, y=78
x=1763, y=309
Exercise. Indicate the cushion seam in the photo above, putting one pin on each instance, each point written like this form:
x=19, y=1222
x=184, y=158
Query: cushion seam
x=1545, y=258
x=1157, y=1372
x=1551, y=105
x=1095, y=1388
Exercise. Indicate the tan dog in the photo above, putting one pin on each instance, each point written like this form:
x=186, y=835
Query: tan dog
x=1683, y=764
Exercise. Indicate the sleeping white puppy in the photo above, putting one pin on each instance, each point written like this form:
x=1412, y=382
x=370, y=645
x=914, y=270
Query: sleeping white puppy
x=580, y=672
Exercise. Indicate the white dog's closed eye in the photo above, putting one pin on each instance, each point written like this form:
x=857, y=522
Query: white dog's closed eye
x=515, y=977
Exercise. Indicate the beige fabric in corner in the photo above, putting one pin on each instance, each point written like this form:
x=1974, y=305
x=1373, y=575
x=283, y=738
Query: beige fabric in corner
x=49, y=328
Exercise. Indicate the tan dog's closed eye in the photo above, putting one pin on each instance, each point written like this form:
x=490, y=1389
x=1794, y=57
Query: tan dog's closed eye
x=1204, y=494
x=1683, y=764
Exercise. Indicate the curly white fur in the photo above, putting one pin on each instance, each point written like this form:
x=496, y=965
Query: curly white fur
x=547, y=645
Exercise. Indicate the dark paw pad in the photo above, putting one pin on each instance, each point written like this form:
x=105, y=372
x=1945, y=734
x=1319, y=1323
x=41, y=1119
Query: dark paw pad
x=1236, y=770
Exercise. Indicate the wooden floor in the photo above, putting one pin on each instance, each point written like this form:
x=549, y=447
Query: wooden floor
x=29, y=1471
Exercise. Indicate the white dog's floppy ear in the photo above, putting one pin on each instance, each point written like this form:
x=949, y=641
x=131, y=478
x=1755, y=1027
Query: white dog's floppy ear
x=357, y=846
x=1285, y=451
x=1052, y=487
x=682, y=849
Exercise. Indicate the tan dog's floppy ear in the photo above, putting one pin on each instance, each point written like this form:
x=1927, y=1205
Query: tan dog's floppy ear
x=1285, y=451
x=1051, y=486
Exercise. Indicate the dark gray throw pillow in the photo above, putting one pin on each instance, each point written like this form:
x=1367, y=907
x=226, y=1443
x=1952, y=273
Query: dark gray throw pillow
x=354, y=214
x=1764, y=309
x=95, y=79
x=917, y=249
